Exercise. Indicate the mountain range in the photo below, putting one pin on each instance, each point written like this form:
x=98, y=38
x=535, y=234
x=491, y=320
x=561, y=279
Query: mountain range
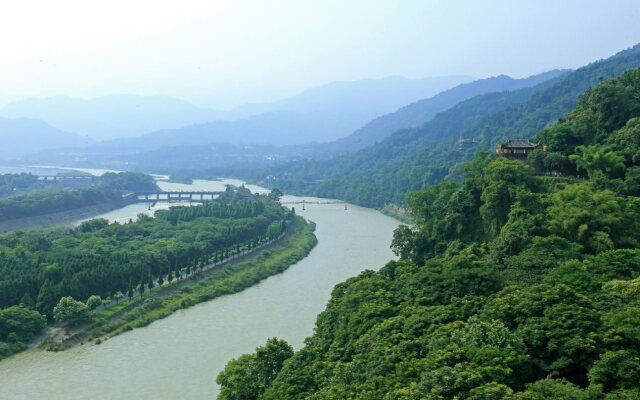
x=322, y=113
x=413, y=158
x=201, y=146
x=112, y=116
x=422, y=111
x=22, y=136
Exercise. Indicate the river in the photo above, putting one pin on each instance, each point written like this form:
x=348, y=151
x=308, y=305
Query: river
x=178, y=358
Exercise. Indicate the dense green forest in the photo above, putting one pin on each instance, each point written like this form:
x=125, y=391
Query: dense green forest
x=38, y=268
x=50, y=198
x=520, y=282
x=410, y=159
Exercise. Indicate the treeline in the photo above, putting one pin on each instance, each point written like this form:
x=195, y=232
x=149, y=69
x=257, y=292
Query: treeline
x=38, y=268
x=109, y=188
x=511, y=285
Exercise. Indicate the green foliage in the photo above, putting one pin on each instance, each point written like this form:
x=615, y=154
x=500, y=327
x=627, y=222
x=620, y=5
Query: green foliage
x=412, y=159
x=598, y=219
x=28, y=201
x=71, y=311
x=248, y=377
x=275, y=194
x=94, y=302
x=98, y=259
x=592, y=159
x=17, y=325
x=234, y=277
x=510, y=285
x=616, y=369
x=128, y=182
x=39, y=203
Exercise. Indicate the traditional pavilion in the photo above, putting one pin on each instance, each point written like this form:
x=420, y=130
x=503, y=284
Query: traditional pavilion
x=516, y=149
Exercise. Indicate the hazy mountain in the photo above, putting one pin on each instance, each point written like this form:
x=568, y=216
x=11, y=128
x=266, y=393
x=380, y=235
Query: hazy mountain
x=195, y=152
x=413, y=158
x=323, y=113
x=421, y=111
x=354, y=101
x=22, y=136
x=109, y=117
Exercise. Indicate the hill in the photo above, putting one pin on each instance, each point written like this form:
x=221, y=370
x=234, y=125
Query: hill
x=413, y=158
x=422, y=111
x=322, y=113
x=158, y=150
x=515, y=284
x=20, y=136
x=113, y=116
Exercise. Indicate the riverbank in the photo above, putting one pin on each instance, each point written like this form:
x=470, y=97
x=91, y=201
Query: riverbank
x=62, y=218
x=230, y=278
x=399, y=213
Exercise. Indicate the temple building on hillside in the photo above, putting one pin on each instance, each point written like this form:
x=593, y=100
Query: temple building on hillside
x=516, y=149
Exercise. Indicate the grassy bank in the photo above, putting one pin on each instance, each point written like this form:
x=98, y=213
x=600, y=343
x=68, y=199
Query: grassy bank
x=228, y=279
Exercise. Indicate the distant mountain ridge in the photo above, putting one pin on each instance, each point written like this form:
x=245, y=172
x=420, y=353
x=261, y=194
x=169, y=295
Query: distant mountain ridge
x=421, y=111
x=21, y=136
x=145, y=152
x=367, y=98
x=322, y=113
x=411, y=159
x=111, y=116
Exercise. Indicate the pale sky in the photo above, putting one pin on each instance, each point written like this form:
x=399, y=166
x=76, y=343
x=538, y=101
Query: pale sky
x=221, y=53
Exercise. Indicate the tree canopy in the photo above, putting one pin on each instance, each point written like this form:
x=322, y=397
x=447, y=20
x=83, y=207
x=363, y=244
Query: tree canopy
x=512, y=284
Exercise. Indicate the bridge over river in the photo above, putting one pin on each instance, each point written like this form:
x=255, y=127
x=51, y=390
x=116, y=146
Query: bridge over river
x=174, y=196
x=202, y=196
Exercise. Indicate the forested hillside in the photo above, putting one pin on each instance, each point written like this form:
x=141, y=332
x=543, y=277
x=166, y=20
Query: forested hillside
x=413, y=158
x=520, y=282
x=422, y=111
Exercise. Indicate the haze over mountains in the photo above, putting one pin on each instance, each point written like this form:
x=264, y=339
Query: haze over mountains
x=411, y=159
x=110, y=117
x=299, y=121
x=421, y=111
x=322, y=113
x=22, y=136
